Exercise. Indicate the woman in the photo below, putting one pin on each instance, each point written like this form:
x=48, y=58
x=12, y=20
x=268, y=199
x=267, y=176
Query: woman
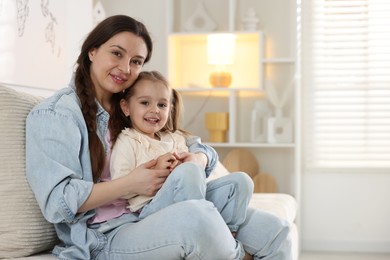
x=67, y=153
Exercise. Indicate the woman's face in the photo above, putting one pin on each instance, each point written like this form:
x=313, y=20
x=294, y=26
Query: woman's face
x=148, y=107
x=116, y=64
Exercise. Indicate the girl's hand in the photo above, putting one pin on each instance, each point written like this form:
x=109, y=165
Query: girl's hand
x=167, y=161
x=198, y=158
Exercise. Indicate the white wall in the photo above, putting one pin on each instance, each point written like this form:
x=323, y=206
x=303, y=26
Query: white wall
x=40, y=41
x=346, y=212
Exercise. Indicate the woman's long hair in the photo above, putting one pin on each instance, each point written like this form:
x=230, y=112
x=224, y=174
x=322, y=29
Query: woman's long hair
x=84, y=86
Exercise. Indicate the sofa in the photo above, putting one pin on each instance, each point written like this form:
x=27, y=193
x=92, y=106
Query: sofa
x=24, y=233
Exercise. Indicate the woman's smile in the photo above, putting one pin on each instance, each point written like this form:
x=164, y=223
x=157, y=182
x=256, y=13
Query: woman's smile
x=117, y=79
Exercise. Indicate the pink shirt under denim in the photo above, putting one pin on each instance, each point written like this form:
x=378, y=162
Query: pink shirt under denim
x=115, y=208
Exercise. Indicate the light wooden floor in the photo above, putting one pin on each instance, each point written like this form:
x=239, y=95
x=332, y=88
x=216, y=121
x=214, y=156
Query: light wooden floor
x=342, y=256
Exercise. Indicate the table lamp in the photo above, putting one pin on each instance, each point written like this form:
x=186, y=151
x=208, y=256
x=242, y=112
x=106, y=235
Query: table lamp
x=220, y=52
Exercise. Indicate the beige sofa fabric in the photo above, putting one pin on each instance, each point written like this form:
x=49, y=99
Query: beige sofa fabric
x=23, y=230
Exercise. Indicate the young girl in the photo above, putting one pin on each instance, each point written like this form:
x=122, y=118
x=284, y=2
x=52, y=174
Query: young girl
x=144, y=127
x=67, y=167
x=149, y=114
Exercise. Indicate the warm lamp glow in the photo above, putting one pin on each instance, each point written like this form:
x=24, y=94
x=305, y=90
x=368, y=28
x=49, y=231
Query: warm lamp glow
x=220, y=48
x=220, y=52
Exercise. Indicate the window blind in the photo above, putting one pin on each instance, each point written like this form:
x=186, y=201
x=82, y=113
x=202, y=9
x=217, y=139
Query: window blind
x=346, y=75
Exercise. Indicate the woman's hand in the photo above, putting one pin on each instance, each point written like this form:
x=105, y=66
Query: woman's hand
x=146, y=179
x=143, y=180
x=198, y=158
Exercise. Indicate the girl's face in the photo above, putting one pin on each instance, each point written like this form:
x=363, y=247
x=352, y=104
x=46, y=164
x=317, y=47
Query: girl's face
x=116, y=64
x=149, y=107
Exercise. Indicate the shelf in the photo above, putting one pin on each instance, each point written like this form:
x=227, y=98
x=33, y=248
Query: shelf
x=278, y=60
x=269, y=54
x=256, y=145
x=210, y=89
x=188, y=65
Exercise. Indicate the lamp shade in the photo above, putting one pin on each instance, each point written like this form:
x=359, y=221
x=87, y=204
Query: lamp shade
x=221, y=48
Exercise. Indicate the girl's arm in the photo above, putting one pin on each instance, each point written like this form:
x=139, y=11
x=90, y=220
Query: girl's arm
x=123, y=162
x=202, y=154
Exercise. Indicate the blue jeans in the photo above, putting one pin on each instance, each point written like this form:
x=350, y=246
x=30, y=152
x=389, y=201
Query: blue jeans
x=230, y=194
x=180, y=224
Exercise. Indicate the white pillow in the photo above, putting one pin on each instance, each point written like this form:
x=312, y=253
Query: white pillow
x=23, y=229
x=219, y=171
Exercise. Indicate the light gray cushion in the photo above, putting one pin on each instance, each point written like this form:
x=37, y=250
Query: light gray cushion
x=23, y=230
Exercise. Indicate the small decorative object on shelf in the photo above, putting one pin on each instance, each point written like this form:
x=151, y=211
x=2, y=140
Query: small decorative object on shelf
x=242, y=159
x=264, y=183
x=260, y=114
x=280, y=128
x=99, y=14
x=200, y=21
x=250, y=20
x=217, y=123
x=220, y=79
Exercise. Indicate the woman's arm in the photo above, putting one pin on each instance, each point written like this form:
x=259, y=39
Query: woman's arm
x=142, y=180
x=58, y=166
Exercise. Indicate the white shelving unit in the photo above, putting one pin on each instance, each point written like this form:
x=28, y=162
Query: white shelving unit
x=277, y=64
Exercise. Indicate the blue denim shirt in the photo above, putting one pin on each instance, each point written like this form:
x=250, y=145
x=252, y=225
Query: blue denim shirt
x=58, y=169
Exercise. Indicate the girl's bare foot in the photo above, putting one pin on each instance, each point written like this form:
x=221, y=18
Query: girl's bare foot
x=247, y=257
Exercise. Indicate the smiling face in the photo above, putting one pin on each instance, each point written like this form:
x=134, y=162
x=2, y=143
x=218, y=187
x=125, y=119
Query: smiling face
x=116, y=64
x=148, y=107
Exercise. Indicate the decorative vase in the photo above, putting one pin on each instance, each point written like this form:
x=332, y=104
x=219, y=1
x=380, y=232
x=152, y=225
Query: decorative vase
x=280, y=129
x=220, y=79
x=217, y=123
x=250, y=20
x=260, y=114
x=200, y=21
